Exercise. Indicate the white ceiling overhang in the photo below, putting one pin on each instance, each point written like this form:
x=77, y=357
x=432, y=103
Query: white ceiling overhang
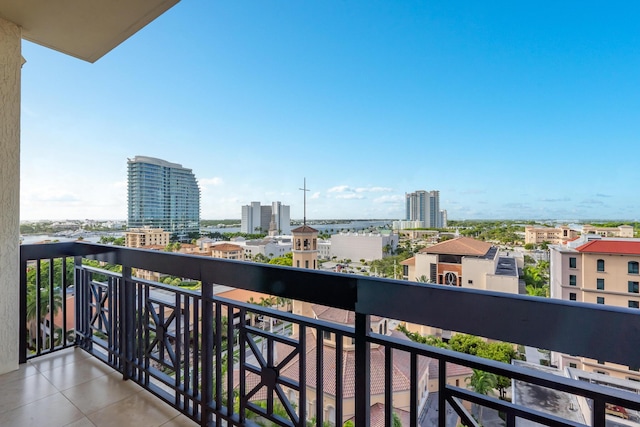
x=86, y=29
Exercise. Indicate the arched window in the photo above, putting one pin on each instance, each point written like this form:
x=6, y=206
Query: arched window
x=633, y=267
x=600, y=264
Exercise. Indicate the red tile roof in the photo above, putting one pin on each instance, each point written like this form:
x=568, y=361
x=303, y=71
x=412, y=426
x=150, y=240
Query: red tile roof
x=304, y=229
x=459, y=246
x=621, y=247
x=226, y=247
x=409, y=261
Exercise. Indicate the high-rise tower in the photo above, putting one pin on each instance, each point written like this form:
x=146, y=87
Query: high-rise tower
x=424, y=206
x=163, y=195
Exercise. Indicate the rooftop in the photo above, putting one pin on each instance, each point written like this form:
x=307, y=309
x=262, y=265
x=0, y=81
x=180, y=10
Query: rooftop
x=618, y=247
x=464, y=246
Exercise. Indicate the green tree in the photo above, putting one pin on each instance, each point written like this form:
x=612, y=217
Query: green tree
x=286, y=260
x=502, y=352
x=465, y=343
x=261, y=259
x=396, y=420
x=483, y=383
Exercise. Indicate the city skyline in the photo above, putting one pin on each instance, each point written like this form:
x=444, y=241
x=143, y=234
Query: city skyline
x=511, y=111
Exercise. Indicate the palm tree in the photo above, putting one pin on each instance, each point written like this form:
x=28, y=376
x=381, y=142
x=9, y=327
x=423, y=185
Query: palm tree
x=483, y=383
x=36, y=317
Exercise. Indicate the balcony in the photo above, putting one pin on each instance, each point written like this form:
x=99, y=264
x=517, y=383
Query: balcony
x=210, y=362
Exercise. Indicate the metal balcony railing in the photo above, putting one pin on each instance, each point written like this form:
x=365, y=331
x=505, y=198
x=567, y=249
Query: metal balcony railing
x=224, y=362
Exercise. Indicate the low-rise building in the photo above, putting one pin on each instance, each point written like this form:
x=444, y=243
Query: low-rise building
x=146, y=236
x=227, y=251
x=625, y=231
x=597, y=270
x=467, y=263
x=367, y=246
x=551, y=235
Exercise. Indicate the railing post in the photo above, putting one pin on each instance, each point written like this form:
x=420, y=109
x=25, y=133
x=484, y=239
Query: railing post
x=442, y=393
x=81, y=303
x=127, y=327
x=207, y=354
x=22, y=345
x=363, y=370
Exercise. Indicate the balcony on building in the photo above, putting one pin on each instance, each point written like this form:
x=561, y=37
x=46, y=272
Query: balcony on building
x=123, y=348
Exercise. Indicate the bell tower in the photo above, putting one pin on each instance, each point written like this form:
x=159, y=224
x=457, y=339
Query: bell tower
x=305, y=241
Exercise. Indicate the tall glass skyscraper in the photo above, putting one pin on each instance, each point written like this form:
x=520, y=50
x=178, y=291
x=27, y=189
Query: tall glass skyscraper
x=163, y=195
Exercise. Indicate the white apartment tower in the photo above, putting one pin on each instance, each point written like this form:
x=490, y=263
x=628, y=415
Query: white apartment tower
x=257, y=218
x=424, y=206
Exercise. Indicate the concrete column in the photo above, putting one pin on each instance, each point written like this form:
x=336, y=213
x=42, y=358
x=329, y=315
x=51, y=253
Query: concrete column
x=10, y=64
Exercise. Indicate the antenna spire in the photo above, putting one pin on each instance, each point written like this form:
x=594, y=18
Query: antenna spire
x=304, y=192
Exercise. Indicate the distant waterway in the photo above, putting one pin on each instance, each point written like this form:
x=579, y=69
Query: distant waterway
x=328, y=227
x=39, y=238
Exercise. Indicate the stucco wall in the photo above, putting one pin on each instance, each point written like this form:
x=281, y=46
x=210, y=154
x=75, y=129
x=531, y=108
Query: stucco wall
x=10, y=63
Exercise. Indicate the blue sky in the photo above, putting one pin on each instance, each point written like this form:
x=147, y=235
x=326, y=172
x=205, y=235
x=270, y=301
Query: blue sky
x=510, y=109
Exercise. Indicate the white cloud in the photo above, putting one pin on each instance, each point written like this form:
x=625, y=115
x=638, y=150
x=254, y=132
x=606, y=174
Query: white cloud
x=395, y=199
x=210, y=182
x=349, y=196
x=315, y=195
x=339, y=189
x=372, y=189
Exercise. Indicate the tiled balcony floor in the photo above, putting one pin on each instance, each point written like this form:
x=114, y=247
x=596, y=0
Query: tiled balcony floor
x=72, y=388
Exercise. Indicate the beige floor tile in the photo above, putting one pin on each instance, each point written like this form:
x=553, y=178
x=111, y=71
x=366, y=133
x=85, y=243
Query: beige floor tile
x=51, y=411
x=59, y=358
x=23, y=371
x=100, y=392
x=73, y=374
x=82, y=422
x=140, y=410
x=19, y=393
x=180, y=421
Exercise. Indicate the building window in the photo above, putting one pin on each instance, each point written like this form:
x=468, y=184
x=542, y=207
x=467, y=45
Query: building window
x=572, y=296
x=327, y=335
x=633, y=287
x=600, y=284
x=572, y=262
x=633, y=267
x=572, y=280
x=306, y=263
x=600, y=300
x=634, y=304
x=600, y=265
x=573, y=365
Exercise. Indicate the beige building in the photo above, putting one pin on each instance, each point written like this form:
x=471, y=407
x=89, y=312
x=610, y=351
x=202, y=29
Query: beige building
x=554, y=236
x=467, y=263
x=625, y=231
x=598, y=271
x=146, y=236
x=227, y=251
